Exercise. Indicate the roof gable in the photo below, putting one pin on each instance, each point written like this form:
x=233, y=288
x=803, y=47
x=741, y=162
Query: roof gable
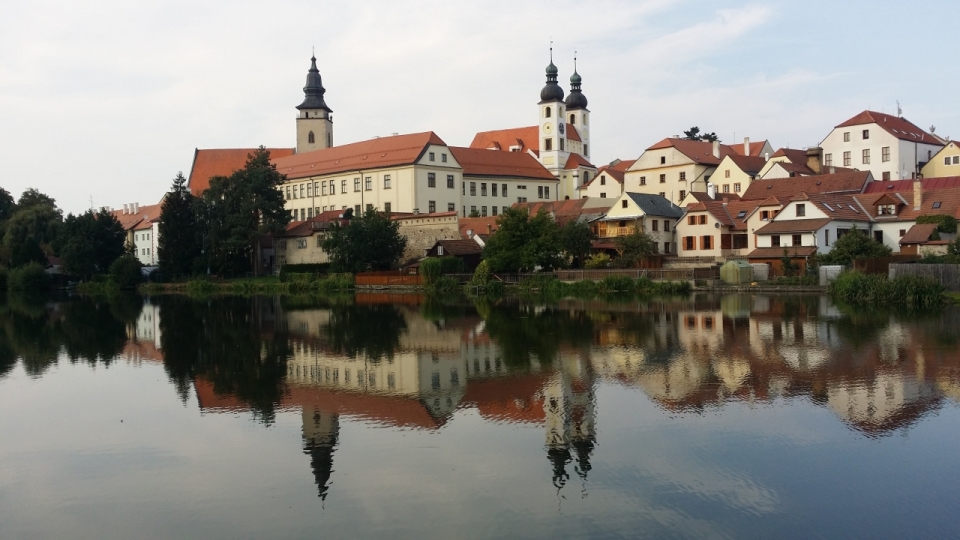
x=478, y=162
x=523, y=138
x=897, y=126
x=700, y=152
x=575, y=161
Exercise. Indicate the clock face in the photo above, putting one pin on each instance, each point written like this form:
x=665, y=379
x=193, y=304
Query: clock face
x=560, y=128
x=548, y=128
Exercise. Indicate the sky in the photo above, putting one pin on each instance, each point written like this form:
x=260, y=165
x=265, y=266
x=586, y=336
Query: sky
x=103, y=103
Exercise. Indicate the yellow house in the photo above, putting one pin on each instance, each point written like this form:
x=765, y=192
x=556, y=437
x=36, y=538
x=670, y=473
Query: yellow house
x=946, y=162
x=674, y=167
x=735, y=173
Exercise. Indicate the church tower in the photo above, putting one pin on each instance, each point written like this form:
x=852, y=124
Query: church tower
x=577, y=113
x=314, y=122
x=553, y=137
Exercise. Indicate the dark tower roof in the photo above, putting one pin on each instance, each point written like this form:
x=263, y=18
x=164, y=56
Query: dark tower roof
x=576, y=100
x=313, y=91
x=552, y=90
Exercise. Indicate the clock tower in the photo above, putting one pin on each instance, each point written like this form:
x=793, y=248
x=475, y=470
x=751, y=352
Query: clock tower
x=314, y=120
x=552, y=113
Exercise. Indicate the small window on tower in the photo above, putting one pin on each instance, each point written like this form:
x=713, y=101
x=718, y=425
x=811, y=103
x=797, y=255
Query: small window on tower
x=573, y=119
x=546, y=112
x=310, y=139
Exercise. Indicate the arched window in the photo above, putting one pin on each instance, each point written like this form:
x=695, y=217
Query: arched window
x=547, y=112
x=573, y=119
x=310, y=138
x=329, y=140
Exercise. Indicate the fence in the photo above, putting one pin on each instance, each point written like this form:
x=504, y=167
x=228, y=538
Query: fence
x=881, y=265
x=673, y=274
x=387, y=278
x=947, y=274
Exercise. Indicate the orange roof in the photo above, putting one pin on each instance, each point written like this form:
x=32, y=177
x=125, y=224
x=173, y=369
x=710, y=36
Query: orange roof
x=731, y=214
x=370, y=154
x=526, y=138
x=698, y=151
x=933, y=202
x=899, y=127
x=793, y=226
x=141, y=220
x=478, y=225
x=576, y=161
x=919, y=233
x=573, y=134
x=837, y=205
x=928, y=184
x=755, y=148
x=785, y=188
x=478, y=162
x=222, y=162
x=792, y=154
x=748, y=164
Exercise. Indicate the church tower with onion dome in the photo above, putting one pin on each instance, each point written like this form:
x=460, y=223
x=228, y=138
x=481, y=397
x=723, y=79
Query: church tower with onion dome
x=578, y=115
x=553, y=137
x=314, y=121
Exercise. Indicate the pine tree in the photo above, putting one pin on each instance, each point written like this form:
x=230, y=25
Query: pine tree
x=178, y=241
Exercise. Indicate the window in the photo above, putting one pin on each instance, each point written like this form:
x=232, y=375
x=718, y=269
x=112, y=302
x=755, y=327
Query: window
x=343, y=186
x=801, y=210
x=540, y=192
x=663, y=194
x=561, y=145
x=706, y=242
x=432, y=157
x=443, y=158
x=319, y=240
x=301, y=243
x=503, y=189
x=310, y=213
x=310, y=189
x=573, y=119
x=546, y=192
x=369, y=207
x=548, y=144
x=464, y=186
x=356, y=210
x=493, y=190
x=702, y=219
x=586, y=176
x=483, y=189
x=368, y=183
x=623, y=203
x=726, y=188
x=603, y=195
x=666, y=247
x=736, y=187
x=666, y=225
x=846, y=159
x=643, y=180
x=828, y=160
x=656, y=225
x=826, y=237
x=903, y=232
x=356, y=184
x=302, y=191
x=956, y=160
x=878, y=236
x=663, y=160
x=866, y=134
x=846, y=136
x=683, y=176
x=585, y=152
x=309, y=135
x=547, y=112
x=688, y=243
x=603, y=180
x=946, y=160
x=431, y=180
x=473, y=211
x=473, y=189
x=449, y=181
x=741, y=214
x=387, y=207
x=521, y=199
x=885, y=154
x=431, y=206
x=775, y=240
x=797, y=240
x=483, y=211
x=866, y=156
x=493, y=211
x=323, y=188
x=663, y=179
x=936, y=204
x=683, y=194
x=386, y=181
x=288, y=193
x=726, y=173
x=764, y=215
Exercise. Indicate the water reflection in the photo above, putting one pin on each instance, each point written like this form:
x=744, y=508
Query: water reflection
x=411, y=363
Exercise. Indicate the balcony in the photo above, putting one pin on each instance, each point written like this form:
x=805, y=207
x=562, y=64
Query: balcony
x=614, y=232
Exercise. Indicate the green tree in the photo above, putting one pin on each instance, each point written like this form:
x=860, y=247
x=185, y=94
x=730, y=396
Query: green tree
x=635, y=246
x=126, y=271
x=577, y=239
x=89, y=243
x=32, y=198
x=370, y=242
x=239, y=210
x=856, y=244
x=694, y=134
x=522, y=243
x=7, y=206
x=179, y=245
x=29, y=234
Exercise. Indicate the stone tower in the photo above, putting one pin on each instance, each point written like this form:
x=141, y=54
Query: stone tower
x=314, y=121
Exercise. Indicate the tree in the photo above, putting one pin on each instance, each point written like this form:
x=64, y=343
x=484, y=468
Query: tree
x=7, y=206
x=126, y=271
x=179, y=245
x=370, y=242
x=29, y=233
x=89, y=243
x=636, y=246
x=523, y=243
x=577, y=239
x=693, y=134
x=856, y=244
x=32, y=198
x=239, y=210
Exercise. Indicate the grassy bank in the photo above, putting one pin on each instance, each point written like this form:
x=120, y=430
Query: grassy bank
x=910, y=292
x=296, y=284
x=612, y=285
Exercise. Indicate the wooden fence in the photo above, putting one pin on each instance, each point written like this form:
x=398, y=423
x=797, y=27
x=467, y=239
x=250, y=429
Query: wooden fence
x=947, y=274
x=388, y=278
x=881, y=265
x=672, y=274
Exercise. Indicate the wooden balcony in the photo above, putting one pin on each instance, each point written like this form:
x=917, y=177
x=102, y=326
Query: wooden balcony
x=613, y=232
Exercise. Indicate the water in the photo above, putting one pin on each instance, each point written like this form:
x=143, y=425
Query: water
x=708, y=417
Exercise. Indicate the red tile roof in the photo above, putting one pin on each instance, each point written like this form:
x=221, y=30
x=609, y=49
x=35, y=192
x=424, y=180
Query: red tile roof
x=573, y=134
x=838, y=206
x=919, y=233
x=306, y=228
x=212, y=162
x=575, y=161
x=928, y=184
x=145, y=214
x=785, y=188
x=479, y=162
x=793, y=226
x=793, y=154
x=727, y=213
x=755, y=148
x=900, y=128
x=947, y=202
x=748, y=164
x=622, y=165
x=479, y=225
x=698, y=151
x=460, y=247
x=527, y=138
x=370, y=154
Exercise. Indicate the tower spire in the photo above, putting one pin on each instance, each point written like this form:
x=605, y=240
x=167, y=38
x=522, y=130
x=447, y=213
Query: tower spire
x=313, y=91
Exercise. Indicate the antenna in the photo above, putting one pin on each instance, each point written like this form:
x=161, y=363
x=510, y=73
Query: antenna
x=91, y=202
x=899, y=110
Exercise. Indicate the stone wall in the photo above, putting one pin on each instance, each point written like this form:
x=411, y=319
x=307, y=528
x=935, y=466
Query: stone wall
x=422, y=232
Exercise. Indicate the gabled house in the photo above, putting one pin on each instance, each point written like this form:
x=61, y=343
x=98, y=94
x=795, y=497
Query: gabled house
x=650, y=214
x=468, y=251
x=944, y=163
x=923, y=239
x=788, y=162
x=890, y=147
x=814, y=221
x=716, y=229
x=142, y=227
x=674, y=167
x=493, y=181
x=735, y=173
x=607, y=183
x=753, y=148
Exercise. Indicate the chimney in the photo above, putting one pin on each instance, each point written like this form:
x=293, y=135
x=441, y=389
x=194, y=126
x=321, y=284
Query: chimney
x=136, y=208
x=917, y=195
x=746, y=146
x=814, y=156
x=711, y=190
x=124, y=208
x=766, y=156
x=489, y=228
x=716, y=149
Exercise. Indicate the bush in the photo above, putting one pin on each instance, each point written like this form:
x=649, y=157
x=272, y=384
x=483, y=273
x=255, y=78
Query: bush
x=600, y=260
x=335, y=283
x=945, y=223
x=443, y=285
x=910, y=292
x=494, y=288
x=481, y=276
x=315, y=269
x=200, y=286
x=29, y=277
x=125, y=271
x=433, y=267
x=611, y=284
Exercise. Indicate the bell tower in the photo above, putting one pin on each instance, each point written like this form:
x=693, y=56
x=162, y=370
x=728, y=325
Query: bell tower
x=314, y=121
x=577, y=113
x=553, y=137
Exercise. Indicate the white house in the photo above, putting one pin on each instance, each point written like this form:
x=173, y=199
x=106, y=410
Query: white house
x=650, y=214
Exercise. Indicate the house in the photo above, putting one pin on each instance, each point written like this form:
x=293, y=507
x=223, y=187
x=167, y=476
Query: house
x=302, y=241
x=142, y=227
x=208, y=163
x=716, y=228
x=674, y=167
x=890, y=147
x=753, y=149
x=711, y=194
x=894, y=213
x=944, y=163
x=468, y=251
x=789, y=162
x=477, y=229
x=423, y=230
x=608, y=183
x=493, y=181
x=650, y=214
x=814, y=220
x=735, y=172
x=785, y=188
x=922, y=239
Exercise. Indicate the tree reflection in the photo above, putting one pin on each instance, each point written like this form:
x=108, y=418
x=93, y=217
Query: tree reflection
x=372, y=330
x=526, y=332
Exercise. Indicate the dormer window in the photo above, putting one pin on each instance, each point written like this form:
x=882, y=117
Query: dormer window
x=886, y=210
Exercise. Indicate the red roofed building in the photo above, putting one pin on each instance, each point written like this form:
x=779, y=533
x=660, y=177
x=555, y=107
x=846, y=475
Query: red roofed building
x=674, y=167
x=890, y=147
x=492, y=181
x=608, y=182
x=142, y=225
x=208, y=163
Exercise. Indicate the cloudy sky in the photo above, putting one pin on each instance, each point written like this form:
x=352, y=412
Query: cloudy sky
x=106, y=101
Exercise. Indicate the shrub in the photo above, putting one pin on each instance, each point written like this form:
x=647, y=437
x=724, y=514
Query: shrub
x=334, y=283
x=611, y=284
x=443, y=285
x=433, y=267
x=481, y=276
x=314, y=269
x=910, y=292
x=494, y=288
x=600, y=260
x=29, y=277
x=125, y=271
x=945, y=223
x=199, y=286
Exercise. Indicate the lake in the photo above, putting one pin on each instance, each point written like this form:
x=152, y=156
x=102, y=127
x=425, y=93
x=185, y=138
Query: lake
x=738, y=416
